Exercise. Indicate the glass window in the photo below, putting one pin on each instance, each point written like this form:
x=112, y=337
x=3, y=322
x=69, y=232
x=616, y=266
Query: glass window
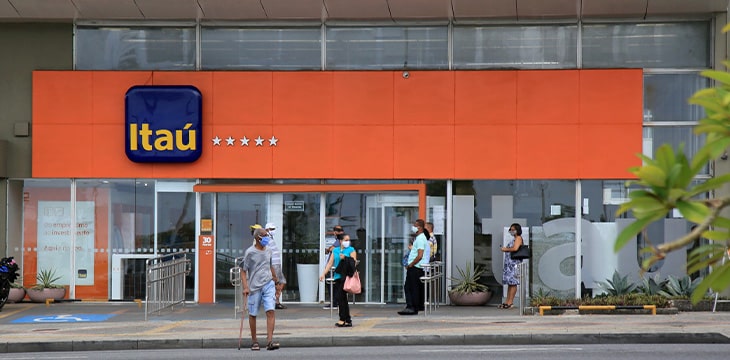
x=149, y=48
x=666, y=97
x=378, y=48
x=515, y=47
x=546, y=211
x=261, y=49
x=656, y=136
x=668, y=45
x=600, y=200
x=47, y=226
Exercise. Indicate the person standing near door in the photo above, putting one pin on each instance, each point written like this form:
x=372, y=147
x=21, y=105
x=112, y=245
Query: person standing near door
x=259, y=278
x=413, y=287
x=331, y=244
x=277, y=263
x=339, y=254
x=510, y=274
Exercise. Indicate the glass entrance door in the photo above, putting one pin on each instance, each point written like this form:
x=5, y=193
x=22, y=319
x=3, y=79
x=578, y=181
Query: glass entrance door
x=389, y=219
x=176, y=225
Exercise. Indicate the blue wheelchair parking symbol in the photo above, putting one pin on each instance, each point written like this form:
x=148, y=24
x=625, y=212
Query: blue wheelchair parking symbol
x=65, y=318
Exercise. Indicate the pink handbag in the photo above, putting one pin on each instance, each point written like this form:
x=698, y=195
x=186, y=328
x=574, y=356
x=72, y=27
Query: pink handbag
x=352, y=283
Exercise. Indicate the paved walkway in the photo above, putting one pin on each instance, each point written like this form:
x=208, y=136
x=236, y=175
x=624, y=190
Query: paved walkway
x=76, y=326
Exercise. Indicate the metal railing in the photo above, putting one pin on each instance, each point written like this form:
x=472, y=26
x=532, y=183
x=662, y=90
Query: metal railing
x=235, y=277
x=165, y=282
x=433, y=285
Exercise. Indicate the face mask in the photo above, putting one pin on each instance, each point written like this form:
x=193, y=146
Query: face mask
x=346, y=244
x=272, y=231
x=414, y=229
x=265, y=241
x=512, y=232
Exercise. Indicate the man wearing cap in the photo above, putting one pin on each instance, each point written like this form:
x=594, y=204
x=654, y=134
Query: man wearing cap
x=258, y=278
x=276, y=261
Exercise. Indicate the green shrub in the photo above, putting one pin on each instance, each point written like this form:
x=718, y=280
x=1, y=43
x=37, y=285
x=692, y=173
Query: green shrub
x=650, y=286
x=680, y=288
x=617, y=286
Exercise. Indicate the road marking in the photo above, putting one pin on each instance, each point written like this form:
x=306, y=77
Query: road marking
x=164, y=328
x=63, y=318
x=11, y=313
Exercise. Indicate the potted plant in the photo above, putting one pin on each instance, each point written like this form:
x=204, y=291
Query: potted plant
x=17, y=292
x=466, y=289
x=308, y=273
x=46, y=287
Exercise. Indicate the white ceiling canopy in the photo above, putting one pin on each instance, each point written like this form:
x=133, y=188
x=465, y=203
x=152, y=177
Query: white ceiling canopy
x=357, y=10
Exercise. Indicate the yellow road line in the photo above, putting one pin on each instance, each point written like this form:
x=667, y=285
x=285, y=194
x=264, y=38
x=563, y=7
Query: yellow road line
x=166, y=327
x=6, y=313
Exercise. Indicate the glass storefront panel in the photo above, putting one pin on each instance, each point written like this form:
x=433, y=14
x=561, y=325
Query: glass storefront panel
x=382, y=48
x=300, y=234
x=47, y=227
x=138, y=48
x=647, y=45
x=546, y=211
x=261, y=48
x=665, y=97
x=600, y=227
x=515, y=47
x=235, y=213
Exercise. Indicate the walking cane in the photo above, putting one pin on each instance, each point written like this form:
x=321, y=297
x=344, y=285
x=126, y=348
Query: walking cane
x=240, y=330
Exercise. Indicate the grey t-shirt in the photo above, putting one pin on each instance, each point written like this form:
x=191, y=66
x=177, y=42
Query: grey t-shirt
x=257, y=265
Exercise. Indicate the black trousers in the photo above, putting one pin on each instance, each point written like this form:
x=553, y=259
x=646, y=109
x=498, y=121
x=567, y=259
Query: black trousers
x=341, y=299
x=414, y=289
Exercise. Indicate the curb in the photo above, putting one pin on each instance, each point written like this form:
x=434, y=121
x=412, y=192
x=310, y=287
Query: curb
x=400, y=340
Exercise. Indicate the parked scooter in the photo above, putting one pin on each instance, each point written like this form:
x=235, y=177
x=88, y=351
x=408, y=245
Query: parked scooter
x=8, y=274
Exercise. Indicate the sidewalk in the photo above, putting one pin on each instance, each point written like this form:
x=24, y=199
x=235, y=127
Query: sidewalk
x=119, y=326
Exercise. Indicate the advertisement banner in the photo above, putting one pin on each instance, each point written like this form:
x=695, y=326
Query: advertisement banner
x=55, y=243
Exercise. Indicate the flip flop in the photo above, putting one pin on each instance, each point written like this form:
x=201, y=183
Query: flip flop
x=272, y=346
x=255, y=347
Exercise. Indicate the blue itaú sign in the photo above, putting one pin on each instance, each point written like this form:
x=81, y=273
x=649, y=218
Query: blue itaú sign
x=163, y=124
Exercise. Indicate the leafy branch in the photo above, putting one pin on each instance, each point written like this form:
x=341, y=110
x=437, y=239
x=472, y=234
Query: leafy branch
x=665, y=184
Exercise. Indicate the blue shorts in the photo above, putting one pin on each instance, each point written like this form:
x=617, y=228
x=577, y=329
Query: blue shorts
x=265, y=295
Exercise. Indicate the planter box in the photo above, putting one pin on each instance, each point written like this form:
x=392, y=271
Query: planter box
x=470, y=299
x=16, y=295
x=40, y=296
x=702, y=305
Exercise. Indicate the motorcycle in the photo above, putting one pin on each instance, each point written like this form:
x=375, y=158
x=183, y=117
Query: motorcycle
x=8, y=274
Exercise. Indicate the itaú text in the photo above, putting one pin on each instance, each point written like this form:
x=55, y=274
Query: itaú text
x=161, y=139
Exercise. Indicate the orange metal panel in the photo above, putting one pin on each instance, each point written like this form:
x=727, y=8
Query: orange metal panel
x=314, y=102
x=611, y=97
x=305, y=152
x=62, y=97
x=485, y=152
x=302, y=98
x=485, y=97
x=237, y=160
x=242, y=98
x=548, y=97
x=65, y=150
x=425, y=98
x=423, y=152
x=363, y=98
x=547, y=152
x=601, y=159
x=362, y=152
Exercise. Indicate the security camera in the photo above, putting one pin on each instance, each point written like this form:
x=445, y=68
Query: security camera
x=406, y=75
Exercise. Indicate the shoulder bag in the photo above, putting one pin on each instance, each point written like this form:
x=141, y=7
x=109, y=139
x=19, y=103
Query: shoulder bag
x=352, y=283
x=522, y=253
